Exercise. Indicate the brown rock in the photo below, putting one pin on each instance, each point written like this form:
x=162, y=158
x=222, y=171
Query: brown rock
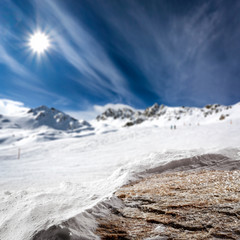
x=181, y=205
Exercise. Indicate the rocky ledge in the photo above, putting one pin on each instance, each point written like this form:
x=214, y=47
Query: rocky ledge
x=203, y=204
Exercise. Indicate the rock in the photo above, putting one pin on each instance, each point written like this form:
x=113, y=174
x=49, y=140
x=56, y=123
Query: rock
x=151, y=111
x=181, y=205
x=208, y=106
x=137, y=121
x=222, y=117
x=129, y=124
x=125, y=113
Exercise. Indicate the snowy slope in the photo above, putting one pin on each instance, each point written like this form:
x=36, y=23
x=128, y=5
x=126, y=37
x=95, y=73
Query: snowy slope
x=54, y=181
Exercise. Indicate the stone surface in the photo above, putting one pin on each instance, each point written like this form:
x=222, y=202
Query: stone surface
x=181, y=205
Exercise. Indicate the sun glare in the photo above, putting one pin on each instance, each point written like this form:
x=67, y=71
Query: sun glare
x=39, y=42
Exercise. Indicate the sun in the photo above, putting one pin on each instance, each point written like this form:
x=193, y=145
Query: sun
x=39, y=42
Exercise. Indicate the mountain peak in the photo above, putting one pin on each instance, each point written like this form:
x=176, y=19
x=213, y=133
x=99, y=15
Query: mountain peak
x=54, y=118
x=121, y=113
x=151, y=111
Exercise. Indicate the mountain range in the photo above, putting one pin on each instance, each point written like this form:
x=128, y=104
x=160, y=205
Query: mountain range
x=164, y=115
x=123, y=117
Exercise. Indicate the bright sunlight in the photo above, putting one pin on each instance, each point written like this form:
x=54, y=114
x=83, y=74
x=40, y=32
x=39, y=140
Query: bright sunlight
x=39, y=42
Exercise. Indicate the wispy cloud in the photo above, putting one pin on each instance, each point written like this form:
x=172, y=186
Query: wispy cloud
x=19, y=73
x=175, y=51
x=83, y=52
x=10, y=62
x=25, y=79
x=134, y=52
x=172, y=52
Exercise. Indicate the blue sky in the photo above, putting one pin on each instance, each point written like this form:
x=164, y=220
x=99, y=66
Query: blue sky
x=121, y=51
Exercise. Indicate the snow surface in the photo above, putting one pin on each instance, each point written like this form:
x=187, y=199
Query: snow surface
x=60, y=174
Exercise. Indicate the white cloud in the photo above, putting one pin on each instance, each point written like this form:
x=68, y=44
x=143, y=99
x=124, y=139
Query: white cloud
x=11, y=108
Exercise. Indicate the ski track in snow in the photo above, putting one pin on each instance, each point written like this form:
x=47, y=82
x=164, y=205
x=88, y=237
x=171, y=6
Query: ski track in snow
x=54, y=181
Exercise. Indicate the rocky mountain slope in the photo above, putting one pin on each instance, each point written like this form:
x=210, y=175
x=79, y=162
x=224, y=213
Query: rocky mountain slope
x=171, y=115
x=55, y=119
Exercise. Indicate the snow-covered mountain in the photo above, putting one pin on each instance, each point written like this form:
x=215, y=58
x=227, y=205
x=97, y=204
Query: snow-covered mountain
x=43, y=116
x=123, y=116
x=56, y=119
x=124, y=113
x=163, y=115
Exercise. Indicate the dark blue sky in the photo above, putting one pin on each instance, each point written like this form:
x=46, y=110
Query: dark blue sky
x=175, y=52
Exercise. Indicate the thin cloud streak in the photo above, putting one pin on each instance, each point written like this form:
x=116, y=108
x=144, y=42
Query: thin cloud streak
x=85, y=54
x=176, y=53
x=176, y=47
x=10, y=62
x=26, y=79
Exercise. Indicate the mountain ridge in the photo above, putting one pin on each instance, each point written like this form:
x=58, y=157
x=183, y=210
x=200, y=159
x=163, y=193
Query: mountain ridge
x=166, y=114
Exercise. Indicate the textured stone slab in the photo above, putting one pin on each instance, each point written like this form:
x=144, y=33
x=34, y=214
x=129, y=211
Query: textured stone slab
x=181, y=205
